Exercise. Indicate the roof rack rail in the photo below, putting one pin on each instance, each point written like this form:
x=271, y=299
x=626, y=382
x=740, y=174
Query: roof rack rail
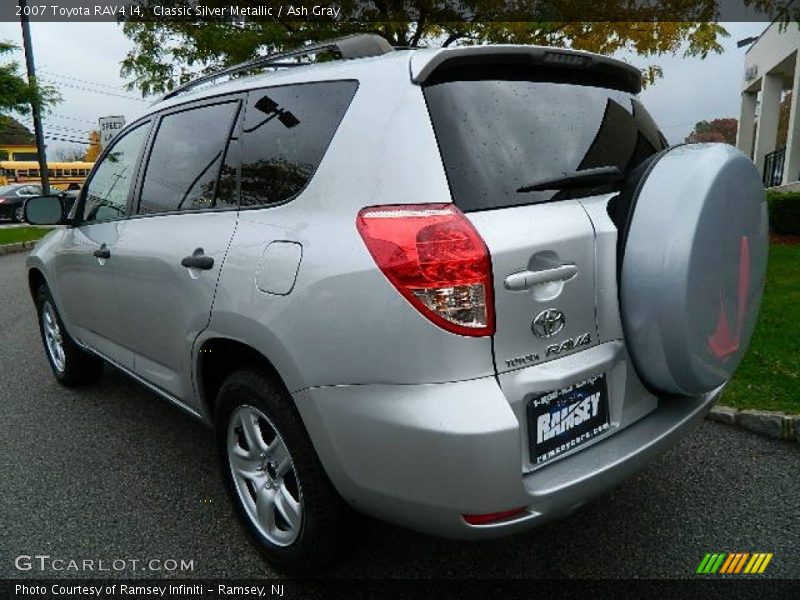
x=359, y=45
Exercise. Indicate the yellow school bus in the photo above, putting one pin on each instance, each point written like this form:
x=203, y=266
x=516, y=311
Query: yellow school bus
x=63, y=175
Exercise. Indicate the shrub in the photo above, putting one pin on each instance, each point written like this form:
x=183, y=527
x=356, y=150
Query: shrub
x=784, y=212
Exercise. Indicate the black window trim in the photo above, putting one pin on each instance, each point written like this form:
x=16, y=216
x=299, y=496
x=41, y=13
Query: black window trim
x=80, y=205
x=153, y=121
x=234, y=134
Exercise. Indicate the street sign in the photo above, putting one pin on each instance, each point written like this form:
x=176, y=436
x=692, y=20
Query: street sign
x=109, y=127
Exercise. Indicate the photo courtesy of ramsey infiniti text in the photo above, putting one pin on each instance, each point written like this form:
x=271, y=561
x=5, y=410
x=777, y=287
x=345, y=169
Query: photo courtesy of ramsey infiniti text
x=464, y=290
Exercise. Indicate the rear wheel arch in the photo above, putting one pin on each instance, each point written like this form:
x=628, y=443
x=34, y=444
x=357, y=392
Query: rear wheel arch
x=218, y=357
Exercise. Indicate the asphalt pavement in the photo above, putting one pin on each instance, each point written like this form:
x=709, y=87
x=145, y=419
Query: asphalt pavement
x=112, y=472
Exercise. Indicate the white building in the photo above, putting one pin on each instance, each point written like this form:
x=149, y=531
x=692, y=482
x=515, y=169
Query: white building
x=772, y=67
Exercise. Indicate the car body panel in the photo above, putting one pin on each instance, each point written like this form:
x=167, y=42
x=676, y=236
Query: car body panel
x=150, y=280
x=474, y=436
x=540, y=238
x=86, y=289
x=412, y=423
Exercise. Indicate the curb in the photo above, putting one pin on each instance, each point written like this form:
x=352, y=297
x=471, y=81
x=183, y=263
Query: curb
x=17, y=247
x=774, y=424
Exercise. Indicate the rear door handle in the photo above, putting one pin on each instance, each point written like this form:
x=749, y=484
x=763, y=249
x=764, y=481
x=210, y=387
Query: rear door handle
x=198, y=260
x=524, y=280
x=102, y=252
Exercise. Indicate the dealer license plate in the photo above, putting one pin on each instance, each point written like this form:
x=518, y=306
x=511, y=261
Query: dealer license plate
x=564, y=419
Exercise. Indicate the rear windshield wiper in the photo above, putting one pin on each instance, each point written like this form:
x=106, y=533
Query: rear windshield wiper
x=577, y=179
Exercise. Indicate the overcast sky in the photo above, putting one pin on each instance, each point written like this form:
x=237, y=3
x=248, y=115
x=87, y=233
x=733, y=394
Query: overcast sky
x=82, y=60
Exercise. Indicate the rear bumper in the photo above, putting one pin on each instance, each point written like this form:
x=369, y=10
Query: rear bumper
x=423, y=455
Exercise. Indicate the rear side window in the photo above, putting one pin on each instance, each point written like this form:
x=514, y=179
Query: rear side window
x=496, y=136
x=286, y=132
x=186, y=157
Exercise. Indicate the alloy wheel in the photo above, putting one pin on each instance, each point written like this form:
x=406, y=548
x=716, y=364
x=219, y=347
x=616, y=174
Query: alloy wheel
x=53, y=339
x=264, y=475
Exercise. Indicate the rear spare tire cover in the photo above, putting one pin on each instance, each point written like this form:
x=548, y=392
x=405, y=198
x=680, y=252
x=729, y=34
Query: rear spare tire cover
x=693, y=267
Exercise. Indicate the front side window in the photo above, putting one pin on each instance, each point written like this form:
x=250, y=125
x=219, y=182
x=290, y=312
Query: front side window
x=286, y=132
x=185, y=160
x=107, y=191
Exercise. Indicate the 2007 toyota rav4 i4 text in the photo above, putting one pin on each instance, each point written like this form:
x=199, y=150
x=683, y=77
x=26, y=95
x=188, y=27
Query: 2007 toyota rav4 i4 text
x=464, y=290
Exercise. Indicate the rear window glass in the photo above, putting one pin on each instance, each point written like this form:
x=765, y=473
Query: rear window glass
x=496, y=136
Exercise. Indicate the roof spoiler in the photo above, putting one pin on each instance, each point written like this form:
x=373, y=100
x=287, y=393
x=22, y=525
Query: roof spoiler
x=427, y=67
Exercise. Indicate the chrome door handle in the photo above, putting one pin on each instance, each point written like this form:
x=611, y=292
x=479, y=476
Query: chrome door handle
x=102, y=252
x=524, y=280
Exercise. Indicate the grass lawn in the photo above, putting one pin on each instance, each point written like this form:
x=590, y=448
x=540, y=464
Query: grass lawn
x=769, y=376
x=10, y=235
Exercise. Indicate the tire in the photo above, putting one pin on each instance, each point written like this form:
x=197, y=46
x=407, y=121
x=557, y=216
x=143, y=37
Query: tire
x=284, y=500
x=71, y=365
x=19, y=214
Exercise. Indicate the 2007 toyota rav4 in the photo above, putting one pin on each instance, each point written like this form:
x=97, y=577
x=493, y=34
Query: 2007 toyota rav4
x=464, y=290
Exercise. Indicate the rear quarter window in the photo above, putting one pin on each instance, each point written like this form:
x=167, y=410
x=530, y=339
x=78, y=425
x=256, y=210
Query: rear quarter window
x=497, y=135
x=286, y=133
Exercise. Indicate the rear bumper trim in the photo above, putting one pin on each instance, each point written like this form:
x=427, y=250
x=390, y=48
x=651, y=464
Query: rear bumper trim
x=423, y=455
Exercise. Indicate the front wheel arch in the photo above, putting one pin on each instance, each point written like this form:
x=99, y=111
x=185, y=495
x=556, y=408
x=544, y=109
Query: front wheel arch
x=36, y=279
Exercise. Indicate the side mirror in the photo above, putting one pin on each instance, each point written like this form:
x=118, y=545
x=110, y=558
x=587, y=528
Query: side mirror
x=44, y=210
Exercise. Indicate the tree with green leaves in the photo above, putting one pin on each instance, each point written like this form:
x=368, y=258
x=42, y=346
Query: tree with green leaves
x=16, y=93
x=167, y=53
x=14, y=133
x=716, y=130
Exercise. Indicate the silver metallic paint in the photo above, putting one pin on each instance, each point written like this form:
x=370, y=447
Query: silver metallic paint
x=412, y=424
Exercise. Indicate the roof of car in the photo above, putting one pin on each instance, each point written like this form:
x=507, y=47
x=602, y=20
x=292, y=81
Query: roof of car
x=321, y=71
x=418, y=64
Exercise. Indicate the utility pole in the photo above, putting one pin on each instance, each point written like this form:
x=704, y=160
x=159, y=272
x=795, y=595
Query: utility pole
x=37, y=117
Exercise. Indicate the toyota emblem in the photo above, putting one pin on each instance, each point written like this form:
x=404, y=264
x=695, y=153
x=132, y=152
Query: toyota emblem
x=548, y=323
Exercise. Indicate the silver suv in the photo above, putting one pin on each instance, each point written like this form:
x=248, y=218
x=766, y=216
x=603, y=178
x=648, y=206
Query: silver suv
x=464, y=290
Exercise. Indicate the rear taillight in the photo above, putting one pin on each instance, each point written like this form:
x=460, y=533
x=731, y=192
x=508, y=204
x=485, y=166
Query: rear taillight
x=434, y=257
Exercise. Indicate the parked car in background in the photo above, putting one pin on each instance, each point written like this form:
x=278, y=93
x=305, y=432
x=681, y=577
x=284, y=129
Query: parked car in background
x=12, y=199
x=465, y=290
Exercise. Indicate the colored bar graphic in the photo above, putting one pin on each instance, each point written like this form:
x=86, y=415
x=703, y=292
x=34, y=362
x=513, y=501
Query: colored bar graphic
x=703, y=563
x=754, y=563
x=766, y=562
x=741, y=562
x=718, y=564
x=727, y=564
x=734, y=562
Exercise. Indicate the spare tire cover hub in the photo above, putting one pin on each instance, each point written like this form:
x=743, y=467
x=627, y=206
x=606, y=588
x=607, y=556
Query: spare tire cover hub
x=693, y=267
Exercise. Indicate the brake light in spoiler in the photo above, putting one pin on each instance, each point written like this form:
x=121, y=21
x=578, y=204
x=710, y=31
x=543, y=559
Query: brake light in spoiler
x=431, y=66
